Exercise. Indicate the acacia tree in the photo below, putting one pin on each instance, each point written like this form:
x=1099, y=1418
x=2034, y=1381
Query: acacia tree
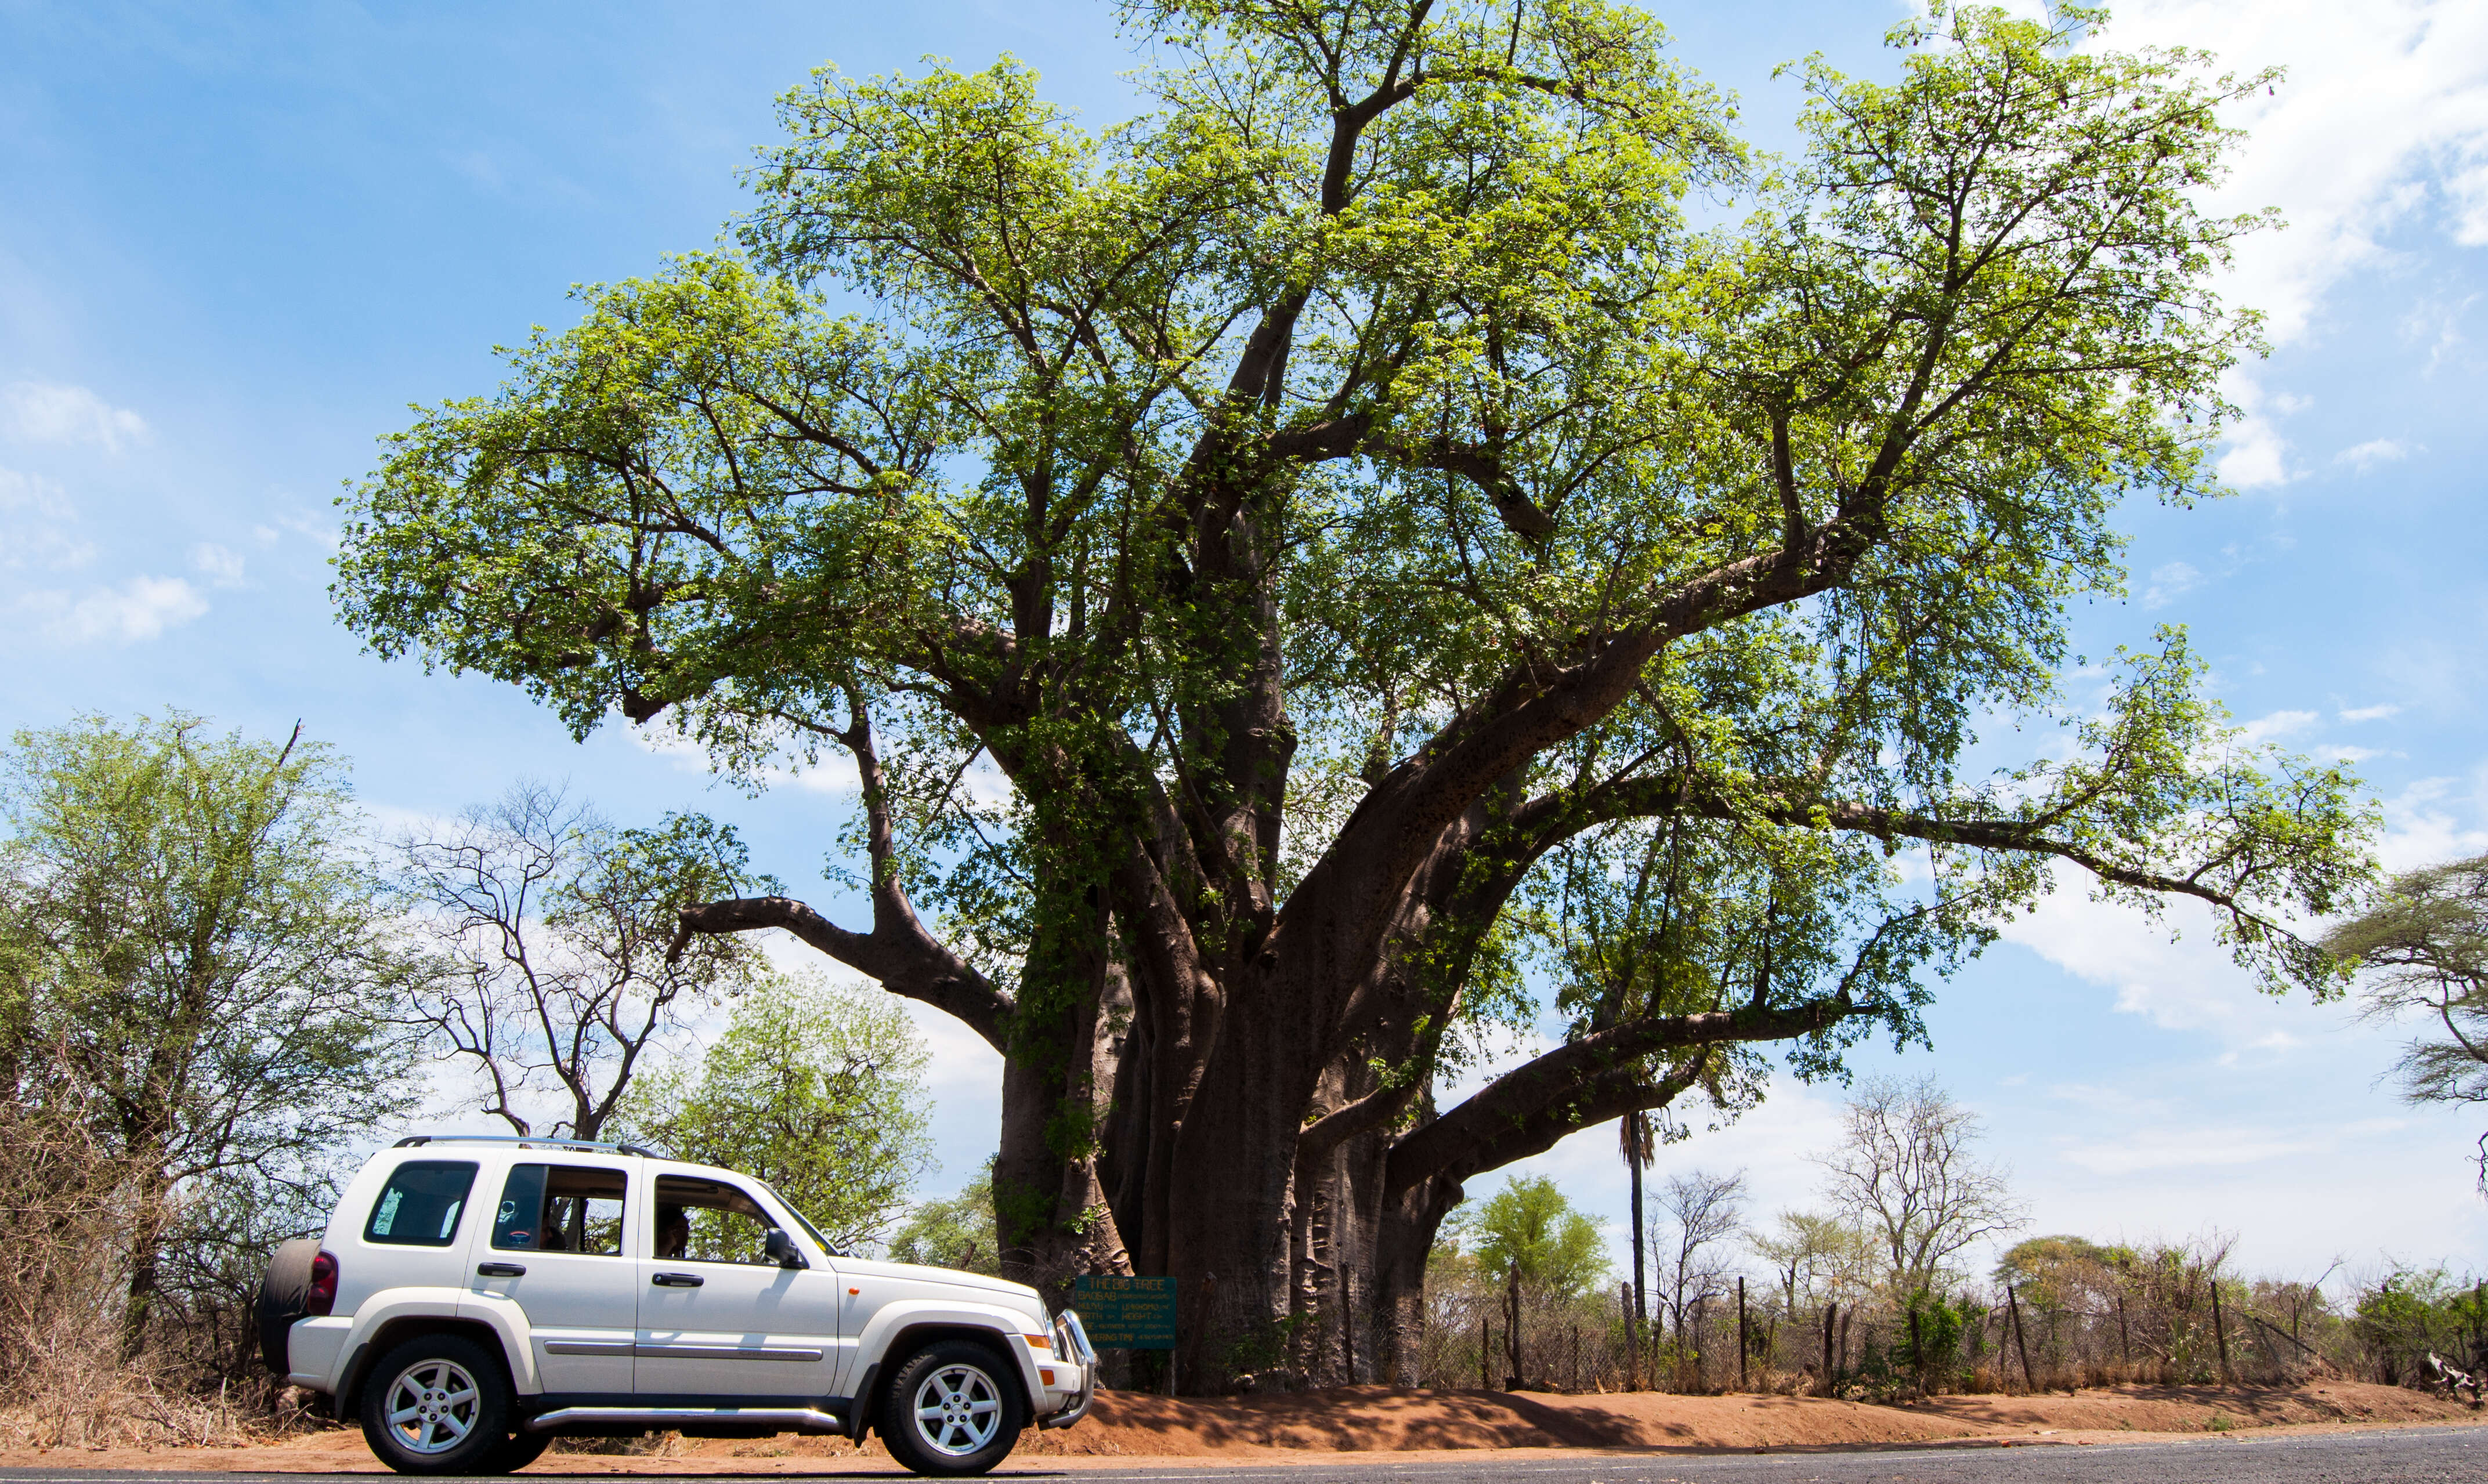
x=1335, y=491
x=2424, y=939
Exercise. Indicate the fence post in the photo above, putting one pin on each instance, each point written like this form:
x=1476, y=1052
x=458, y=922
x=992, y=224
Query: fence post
x=2219, y=1331
x=1632, y=1341
x=1486, y=1353
x=1512, y=1328
x=2020, y=1342
x=2124, y=1346
x=1741, y=1333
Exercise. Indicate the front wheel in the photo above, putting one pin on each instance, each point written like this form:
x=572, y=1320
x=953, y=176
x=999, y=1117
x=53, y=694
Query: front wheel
x=954, y=1408
x=515, y=1452
x=437, y=1404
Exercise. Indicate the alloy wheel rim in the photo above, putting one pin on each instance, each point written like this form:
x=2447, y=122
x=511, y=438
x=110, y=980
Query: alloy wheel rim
x=432, y=1406
x=958, y=1410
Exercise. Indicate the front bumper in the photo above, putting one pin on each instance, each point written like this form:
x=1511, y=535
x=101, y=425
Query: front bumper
x=1071, y=1340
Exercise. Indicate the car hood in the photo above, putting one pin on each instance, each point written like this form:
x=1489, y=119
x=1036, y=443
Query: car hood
x=1025, y=1296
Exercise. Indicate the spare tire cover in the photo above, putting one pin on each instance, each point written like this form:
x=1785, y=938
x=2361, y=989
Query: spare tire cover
x=283, y=1296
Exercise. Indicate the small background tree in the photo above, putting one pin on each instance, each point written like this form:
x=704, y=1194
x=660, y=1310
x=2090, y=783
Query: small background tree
x=812, y=1086
x=560, y=960
x=196, y=980
x=955, y=1232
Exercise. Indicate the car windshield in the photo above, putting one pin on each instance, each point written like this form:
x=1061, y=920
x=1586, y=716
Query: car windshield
x=795, y=1211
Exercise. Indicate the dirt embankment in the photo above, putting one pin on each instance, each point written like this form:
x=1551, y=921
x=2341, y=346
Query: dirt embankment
x=1381, y=1419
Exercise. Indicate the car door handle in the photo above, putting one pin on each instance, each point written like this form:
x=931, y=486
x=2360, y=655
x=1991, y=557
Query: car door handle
x=499, y=1271
x=678, y=1280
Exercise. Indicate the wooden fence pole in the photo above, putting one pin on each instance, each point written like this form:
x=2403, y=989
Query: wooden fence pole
x=2219, y=1331
x=1741, y=1333
x=1486, y=1353
x=2020, y=1342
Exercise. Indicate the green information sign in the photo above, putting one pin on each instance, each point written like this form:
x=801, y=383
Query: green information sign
x=1126, y=1313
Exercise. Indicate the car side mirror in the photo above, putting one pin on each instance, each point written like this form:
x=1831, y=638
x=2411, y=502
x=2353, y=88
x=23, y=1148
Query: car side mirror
x=782, y=1251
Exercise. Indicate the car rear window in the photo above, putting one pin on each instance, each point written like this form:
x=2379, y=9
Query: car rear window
x=420, y=1205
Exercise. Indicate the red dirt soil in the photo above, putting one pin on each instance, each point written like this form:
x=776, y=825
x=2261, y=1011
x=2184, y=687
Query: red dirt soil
x=1379, y=1421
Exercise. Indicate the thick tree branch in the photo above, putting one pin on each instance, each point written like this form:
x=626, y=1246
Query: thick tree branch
x=899, y=953
x=1587, y=1082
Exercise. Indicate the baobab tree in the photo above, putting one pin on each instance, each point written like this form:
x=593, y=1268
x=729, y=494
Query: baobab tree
x=1242, y=551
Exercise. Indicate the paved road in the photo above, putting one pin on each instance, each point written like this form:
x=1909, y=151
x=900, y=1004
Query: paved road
x=2406, y=1456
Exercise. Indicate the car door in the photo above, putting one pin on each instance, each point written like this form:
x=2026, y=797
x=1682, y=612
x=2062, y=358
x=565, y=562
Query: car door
x=560, y=1250
x=719, y=1319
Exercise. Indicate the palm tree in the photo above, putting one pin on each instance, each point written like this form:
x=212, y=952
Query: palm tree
x=1634, y=1134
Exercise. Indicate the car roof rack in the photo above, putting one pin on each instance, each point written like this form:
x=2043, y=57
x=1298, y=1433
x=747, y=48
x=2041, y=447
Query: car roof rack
x=416, y=1140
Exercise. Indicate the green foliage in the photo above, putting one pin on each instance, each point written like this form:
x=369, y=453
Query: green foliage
x=2413, y=1311
x=1531, y=1227
x=197, y=974
x=953, y=1233
x=815, y=1089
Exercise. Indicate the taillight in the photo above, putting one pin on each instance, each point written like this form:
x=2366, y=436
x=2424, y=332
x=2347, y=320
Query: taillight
x=322, y=1294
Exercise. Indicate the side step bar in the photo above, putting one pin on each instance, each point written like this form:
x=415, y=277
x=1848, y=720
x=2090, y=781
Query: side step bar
x=805, y=1419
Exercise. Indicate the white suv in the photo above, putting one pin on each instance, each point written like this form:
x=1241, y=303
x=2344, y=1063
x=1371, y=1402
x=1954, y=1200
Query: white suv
x=477, y=1296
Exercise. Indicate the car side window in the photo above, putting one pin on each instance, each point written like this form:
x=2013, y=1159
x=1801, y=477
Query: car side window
x=421, y=1203
x=709, y=1221
x=561, y=1208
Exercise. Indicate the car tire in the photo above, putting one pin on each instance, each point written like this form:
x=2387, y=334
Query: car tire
x=954, y=1407
x=437, y=1404
x=519, y=1449
x=283, y=1296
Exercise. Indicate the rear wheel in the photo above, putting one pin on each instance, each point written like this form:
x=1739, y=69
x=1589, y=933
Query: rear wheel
x=954, y=1408
x=437, y=1404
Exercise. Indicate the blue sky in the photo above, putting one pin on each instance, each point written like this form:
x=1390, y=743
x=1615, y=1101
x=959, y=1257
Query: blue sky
x=236, y=242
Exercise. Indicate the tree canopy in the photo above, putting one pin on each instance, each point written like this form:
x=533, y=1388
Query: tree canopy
x=1280, y=562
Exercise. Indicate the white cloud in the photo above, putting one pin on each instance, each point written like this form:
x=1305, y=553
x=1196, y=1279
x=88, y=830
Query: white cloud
x=2276, y=725
x=42, y=412
x=2259, y=455
x=2384, y=114
x=2381, y=122
x=140, y=608
x=2183, y=1149
x=2171, y=971
x=2170, y=583
x=2434, y=821
x=218, y=565
x=2370, y=713
x=35, y=520
x=2375, y=451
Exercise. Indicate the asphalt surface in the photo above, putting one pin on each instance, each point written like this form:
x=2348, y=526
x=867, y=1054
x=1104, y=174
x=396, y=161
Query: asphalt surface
x=2401, y=1456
